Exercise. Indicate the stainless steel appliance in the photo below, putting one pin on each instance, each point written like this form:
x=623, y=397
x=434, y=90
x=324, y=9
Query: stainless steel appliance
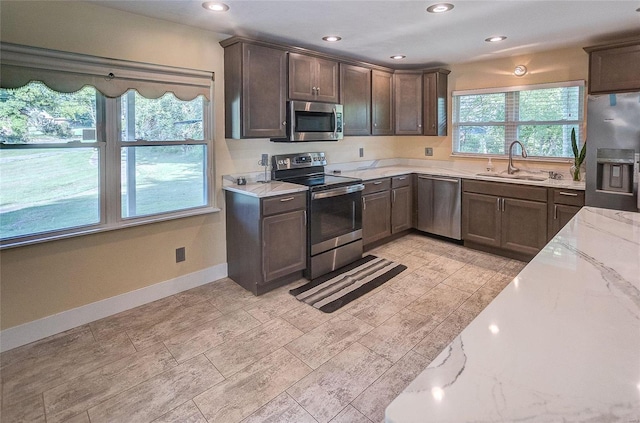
x=334, y=218
x=439, y=205
x=613, y=148
x=311, y=121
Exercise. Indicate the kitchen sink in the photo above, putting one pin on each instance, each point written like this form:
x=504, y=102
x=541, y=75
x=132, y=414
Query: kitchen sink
x=522, y=177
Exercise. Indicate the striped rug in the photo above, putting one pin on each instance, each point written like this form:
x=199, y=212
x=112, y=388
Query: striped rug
x=333, y=290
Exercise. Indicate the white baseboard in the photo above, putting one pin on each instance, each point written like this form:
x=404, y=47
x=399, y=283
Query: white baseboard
x=38, y=329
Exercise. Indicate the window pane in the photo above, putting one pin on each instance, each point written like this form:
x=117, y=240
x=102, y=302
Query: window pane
x=547, y=140
x=163, y=179
x=36, y=114
x=481, y=139
x=49, y=189
x=482, y=108
x=551, y=104
x=161, y=119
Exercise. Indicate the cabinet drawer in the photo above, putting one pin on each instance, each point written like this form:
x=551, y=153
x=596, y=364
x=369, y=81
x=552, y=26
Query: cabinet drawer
x=524, y=192
x=376, y=185
x=401, y=181
x=283, y=203
x=568, y=196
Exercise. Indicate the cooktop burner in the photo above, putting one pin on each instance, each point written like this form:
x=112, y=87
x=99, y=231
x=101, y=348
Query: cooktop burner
x=322, y=180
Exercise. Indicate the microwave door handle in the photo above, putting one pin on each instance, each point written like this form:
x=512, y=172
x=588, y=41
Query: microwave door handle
x=335, y=123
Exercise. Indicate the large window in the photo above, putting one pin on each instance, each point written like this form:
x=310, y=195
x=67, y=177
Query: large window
x=77, y=161
x=542, y=116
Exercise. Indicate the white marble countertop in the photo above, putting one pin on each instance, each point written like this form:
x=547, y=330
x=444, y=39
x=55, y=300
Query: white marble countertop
x=560, y=343
x=268, y=189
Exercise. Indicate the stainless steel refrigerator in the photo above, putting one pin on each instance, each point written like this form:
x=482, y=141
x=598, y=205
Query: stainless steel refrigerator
x=613, y=148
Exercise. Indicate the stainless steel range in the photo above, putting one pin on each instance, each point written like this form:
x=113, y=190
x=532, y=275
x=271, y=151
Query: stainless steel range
x=334, y=220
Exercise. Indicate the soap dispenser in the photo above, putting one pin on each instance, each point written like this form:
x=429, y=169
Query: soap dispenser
x=490, y=166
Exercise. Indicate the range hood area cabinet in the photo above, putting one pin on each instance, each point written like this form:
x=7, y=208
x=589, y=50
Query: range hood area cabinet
x=421, y=102
x=614, y=68
x=313, y=79
x=255, y=91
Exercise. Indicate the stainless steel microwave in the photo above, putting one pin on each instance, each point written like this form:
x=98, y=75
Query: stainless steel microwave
x=311, y=121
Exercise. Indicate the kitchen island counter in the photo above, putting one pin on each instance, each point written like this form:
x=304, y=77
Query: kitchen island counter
x=560, y=343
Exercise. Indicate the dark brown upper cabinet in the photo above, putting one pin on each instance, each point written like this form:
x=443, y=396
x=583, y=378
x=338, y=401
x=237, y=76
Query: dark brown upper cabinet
x=313, y=79
x=255, y=91
x=355, y=93
x=408, y=103
x=382, y=102
x=614, y=68
x=435, y=102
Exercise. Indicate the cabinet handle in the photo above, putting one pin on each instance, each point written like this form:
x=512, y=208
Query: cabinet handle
x=568, y=194
x=419, y=126
x=364, y=204
x=284, y=123
x=375, y=124
x=283, y=200
x=394, y=195
x=555, y=212
x=305, y=217
x=433, y=126
x=402, y=178
x=503, y=205
x=313, y=90
x=499, y=203
x=318, y=90
x=377, y=182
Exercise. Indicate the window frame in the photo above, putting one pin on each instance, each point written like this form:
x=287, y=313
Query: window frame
x=109, y=144
x=511, y=123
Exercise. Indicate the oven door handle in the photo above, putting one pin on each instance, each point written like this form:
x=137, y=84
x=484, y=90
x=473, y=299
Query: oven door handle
x=337, y=191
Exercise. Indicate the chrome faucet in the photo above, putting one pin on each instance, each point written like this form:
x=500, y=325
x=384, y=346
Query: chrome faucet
x=511, y=169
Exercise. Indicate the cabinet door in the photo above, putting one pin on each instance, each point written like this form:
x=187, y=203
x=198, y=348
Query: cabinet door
x=435, y=103
x=562, y=214
x=355, y=92
x=401, y=209
x=408, y=103
x=264, y=92
x=376, y=217
x=284, y=244
x=302, y=77
x=524, y=225
x=481, y=218
x=382, y=103
x=614, y=70
x=327, y=77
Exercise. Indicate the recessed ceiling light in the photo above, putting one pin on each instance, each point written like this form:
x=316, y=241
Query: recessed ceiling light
x=332, y=38
x=215, y=7
x=439, y=8
x=398, y=56
x=495, y=38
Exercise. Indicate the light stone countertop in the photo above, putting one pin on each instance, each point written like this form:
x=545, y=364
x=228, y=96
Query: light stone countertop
x=560, y=343
x=269, y=189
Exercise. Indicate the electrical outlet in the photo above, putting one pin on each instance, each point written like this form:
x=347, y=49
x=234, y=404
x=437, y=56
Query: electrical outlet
x=180, y=254
x=428, y=151
x=361, y=151
x=264, y=160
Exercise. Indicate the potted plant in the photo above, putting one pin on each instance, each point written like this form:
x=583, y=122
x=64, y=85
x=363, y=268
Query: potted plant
x=578, y=156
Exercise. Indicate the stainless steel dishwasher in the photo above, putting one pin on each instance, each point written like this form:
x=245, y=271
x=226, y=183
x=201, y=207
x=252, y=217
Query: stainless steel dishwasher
x=439, y=205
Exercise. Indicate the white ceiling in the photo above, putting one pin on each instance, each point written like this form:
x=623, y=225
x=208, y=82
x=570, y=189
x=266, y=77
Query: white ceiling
x=374, y=30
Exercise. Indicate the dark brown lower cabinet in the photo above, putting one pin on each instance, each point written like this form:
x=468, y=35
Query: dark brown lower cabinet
x=563, y=205
x=266, y=240
x=376, y=216
x=509, y=219
x=401, y=203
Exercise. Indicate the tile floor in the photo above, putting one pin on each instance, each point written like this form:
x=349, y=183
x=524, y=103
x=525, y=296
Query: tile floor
x=218, y=354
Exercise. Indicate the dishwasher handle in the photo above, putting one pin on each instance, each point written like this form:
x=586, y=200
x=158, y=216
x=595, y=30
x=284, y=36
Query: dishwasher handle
x=433, y=178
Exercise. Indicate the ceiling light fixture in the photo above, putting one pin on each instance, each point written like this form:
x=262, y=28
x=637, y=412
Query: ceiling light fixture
x=495, y=39
x=332, y=38
x=520, y=70
x=439, y=8
x=215, y=7
x=398, y=56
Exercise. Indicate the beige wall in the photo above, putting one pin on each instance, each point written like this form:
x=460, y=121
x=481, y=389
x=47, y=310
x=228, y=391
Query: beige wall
x=40, y=280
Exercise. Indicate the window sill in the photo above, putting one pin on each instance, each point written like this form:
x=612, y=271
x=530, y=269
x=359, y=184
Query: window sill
x=106, y=228
x=557, y=160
